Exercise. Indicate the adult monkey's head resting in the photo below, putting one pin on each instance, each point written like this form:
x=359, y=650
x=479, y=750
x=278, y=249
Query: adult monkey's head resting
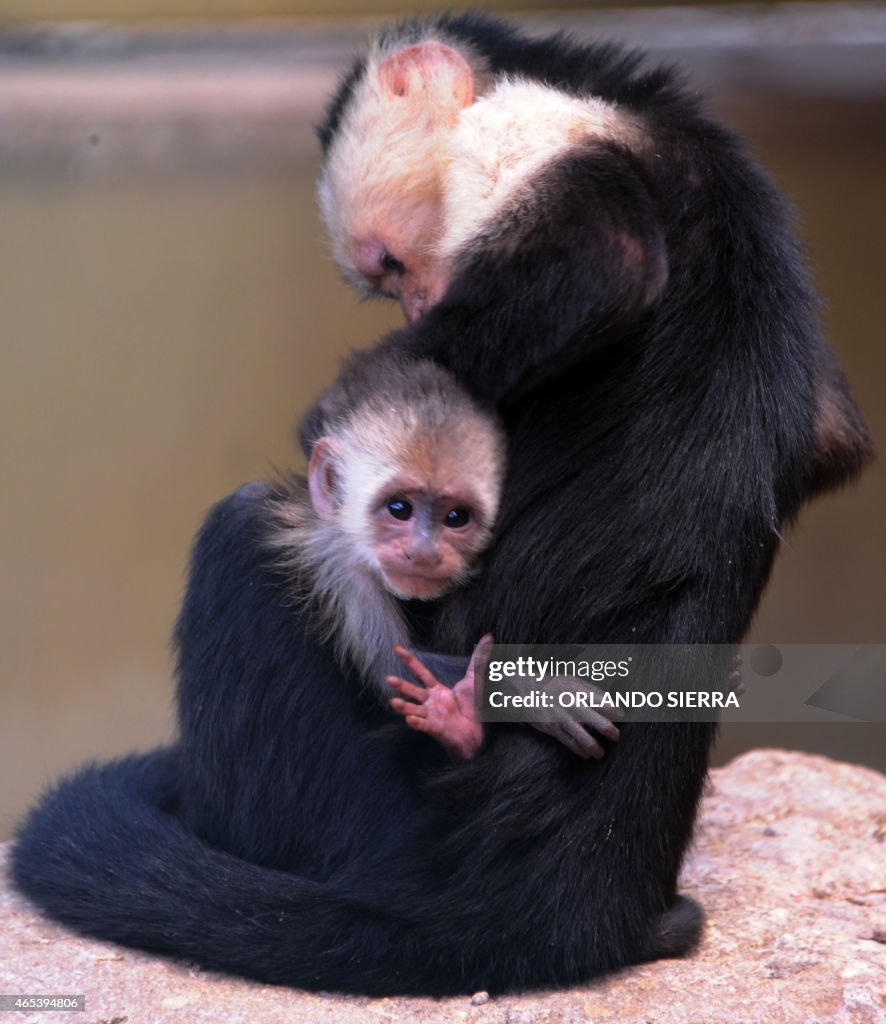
x=447, y=153
x=425, y=147
x=382, y=187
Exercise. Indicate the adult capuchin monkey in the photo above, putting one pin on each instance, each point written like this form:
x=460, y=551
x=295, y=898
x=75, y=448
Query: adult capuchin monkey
x=572, y=236
x=631, y=301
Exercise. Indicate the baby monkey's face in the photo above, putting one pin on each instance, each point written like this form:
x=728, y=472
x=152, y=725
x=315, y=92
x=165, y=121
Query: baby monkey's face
x=424, y=542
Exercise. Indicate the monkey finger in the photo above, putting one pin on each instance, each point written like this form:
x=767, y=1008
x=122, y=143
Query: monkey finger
x=599, y=723
x=417, y=667
x=576, y=739
x=480, y=656
x=571, y=684
x=612, y=713
x=403, y=707
x=407, y=689
x=421, y=724
x=585, y=743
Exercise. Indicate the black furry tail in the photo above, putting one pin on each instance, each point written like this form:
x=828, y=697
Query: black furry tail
x=678, y=931
x=105, y=853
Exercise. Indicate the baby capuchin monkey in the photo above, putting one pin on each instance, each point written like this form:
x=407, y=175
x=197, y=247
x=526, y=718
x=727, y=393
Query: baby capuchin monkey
x=402, y=494
x=401, y=497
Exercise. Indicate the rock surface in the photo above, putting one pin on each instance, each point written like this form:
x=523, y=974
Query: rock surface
x=789, y=863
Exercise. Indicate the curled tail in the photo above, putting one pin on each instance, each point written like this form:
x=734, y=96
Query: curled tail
x=106, y=854
x=678, y=931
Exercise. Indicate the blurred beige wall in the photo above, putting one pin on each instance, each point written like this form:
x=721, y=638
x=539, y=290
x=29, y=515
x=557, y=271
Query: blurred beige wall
x=146, y=11
x=168, y=306
x=225, y=10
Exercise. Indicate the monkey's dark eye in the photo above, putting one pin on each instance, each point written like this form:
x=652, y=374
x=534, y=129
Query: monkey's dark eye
x=391, y=265
x=400, y=509
x=457, y=517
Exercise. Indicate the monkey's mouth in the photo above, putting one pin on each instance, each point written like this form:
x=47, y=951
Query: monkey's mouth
x=414, y=585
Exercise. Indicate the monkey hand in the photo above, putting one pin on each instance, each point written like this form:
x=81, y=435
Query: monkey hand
x=575, y=728
x=432, y=708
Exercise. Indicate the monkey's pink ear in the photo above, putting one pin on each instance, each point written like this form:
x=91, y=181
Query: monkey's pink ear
x=323, y=478
x=412, y=69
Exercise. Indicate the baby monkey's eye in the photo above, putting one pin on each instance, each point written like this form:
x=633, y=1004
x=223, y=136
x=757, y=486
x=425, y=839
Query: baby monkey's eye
x=457, y=517
x=400, y=509
x=391, y=265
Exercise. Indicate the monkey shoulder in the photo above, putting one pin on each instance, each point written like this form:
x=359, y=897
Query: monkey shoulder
x=504, y=140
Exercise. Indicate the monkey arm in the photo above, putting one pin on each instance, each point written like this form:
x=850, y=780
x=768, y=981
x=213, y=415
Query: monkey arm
x=582, y=248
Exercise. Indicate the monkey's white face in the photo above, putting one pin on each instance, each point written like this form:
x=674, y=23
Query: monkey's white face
x=382, y=184
x=414, y=500
x=424, y=543
x=393, y=257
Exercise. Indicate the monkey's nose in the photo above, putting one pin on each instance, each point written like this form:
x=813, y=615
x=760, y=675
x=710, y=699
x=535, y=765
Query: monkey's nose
x=425, y=556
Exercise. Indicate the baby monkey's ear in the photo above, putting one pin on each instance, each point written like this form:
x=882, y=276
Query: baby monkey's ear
x=324, y=477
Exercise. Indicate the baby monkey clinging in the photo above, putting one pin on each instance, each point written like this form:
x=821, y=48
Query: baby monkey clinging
x=402, y=493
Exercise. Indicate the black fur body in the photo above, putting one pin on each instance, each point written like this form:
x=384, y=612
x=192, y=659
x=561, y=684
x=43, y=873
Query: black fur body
x=648, y=334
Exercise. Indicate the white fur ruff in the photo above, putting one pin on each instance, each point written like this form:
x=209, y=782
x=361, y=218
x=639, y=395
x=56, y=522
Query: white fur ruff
x=504, y=139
